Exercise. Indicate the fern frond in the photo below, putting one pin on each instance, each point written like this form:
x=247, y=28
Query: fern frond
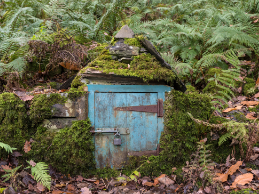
x=7, y=148
x=18, y=65
x=40, y=174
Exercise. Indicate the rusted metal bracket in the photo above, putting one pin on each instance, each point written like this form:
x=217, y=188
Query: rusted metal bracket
x=158, y=108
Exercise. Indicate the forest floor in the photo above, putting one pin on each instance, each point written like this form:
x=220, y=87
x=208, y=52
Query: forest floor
x=231, y=176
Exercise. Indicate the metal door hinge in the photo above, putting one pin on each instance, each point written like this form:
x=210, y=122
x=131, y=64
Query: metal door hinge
x=158, y=108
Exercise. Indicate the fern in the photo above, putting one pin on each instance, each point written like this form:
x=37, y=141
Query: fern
x=7, y=148
x=40, y=174
x=235, y=130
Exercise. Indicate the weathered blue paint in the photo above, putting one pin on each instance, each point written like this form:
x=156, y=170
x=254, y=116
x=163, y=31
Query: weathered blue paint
x=144, y=128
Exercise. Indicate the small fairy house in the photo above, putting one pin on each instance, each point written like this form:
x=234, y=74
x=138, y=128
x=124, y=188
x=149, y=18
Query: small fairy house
x=126, y=85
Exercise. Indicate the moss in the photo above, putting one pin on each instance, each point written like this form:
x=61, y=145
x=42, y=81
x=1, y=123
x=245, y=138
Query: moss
x=255, y=109
x=107, y=173
x=190, y=89
x=132, y=42
x=239, y=116
x=74, y=154
x=113, y=41
x=179, y=139
x=70, y=150
x=75, y=93
x=76, y=82
x=249, y=88
x=245, y=191
x=212, y=71
x=41, y=106
x=144, y=66
x=53, y=85
x=14, y=124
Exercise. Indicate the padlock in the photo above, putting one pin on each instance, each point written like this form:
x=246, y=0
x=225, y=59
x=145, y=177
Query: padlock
x=117, y=139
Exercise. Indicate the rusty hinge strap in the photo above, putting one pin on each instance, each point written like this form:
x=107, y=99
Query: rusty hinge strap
x=158, y=108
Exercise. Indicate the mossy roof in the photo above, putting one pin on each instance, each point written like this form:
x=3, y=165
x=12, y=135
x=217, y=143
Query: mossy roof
x=144, y=66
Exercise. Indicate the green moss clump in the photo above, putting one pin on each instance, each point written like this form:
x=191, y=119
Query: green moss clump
x=53, y=85
x=245, y=191
x=132, y=42
x=249, y=87
x=107, y=172
x=94, y=53
x=41, y=106
x=179, y=139
x=70, y=150
x=76, y=82
x=212, y=71
x=75, y=93
x=14, y=124
x=144, y=66
x=190, y=89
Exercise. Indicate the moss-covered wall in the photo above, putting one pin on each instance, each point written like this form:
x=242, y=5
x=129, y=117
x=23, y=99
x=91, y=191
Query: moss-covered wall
x=14, y=124
x=181, y=134
x=70, y=150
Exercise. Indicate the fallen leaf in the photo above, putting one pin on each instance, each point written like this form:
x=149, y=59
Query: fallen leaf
x=242, y=180
x=256, y=149
x=255, y=172
x=230, y=171
x=85, y=190
x=90, y=180
x=238, y=107
x=27, y=147
x=257, y=81
x=256, y=95
x=82, y=185
x=40, y=187
x=23, y=96
x=32, y=163
x=253, y=157
x=57, y=192
x=234, y=168
x=156, y=179
x=70, y=66
x=60, y=185
x=239, y=90
x=207, y=189
x=229, y=109
x=16, y=154
x=6, y=167
x=250, y=116
x=70, y=187
x=166, y=181
x=241, y=98
x=79, y=178
x=250, y=103
x=30, y=187
x=97, y=182
x=148, y=184
x=203, y=140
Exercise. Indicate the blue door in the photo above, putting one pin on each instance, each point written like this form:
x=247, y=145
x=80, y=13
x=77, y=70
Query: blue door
x=138, y=130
